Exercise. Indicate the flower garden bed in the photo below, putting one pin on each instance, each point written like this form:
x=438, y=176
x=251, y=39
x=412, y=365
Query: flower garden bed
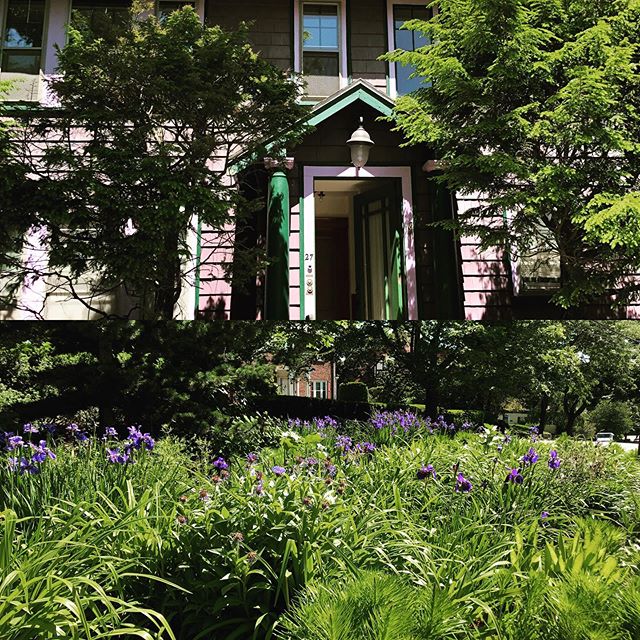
x=395, y=528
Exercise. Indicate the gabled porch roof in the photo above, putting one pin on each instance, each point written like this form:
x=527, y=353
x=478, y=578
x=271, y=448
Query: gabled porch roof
x=358, y=90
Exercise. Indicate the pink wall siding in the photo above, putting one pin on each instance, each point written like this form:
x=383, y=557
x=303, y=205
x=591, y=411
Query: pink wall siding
x=294, y=263
x=215, y=291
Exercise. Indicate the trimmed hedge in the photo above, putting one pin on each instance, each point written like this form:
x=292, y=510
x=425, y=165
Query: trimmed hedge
x=353, y=392
x=309, y=408
x=464, y=415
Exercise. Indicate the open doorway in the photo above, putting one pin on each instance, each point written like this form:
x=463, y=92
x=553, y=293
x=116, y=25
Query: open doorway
x=359, y=249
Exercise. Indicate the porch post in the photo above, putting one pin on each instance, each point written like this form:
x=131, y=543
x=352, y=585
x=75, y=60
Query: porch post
x=278, y=211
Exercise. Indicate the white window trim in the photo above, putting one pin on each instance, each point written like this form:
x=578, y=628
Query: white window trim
x=44, y=47
x=342, y=37
x=391, y=43
x=310, y=173
x=324, y=388
x=199, y=9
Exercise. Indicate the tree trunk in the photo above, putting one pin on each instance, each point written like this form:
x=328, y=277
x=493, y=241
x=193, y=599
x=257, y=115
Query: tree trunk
x=571, y=422
x=544, y=407
x=107, y=368
x=169, y=281
x=431, y=401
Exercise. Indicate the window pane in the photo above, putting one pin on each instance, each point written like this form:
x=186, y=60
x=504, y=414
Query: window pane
x=409, y=41
x=25, y=21
x=540, y=263
x=320, y=26
x=165, y=7
x=103, y=18
x=321, y=73
x=21, y=62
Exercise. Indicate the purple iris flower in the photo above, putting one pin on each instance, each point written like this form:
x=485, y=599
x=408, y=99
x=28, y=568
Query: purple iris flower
x=554, y=461
x=116, y=457
x=28, y=467
x=252, y=458
x=149, y=442
x=462, y=484
x=544, y=515
x=137, y=439
x=515, y=477
x=51, y=428
x=531, y=457
x=322, y=424
x=220, y=464
x=73, y=428
x=425, y=471
x=259, y=489
x=365, y=447
x=13, y=463
x=331, y=469
x=29, y=428
x=110, y=432
x=14, y=442
x=42, y=452
x=279, y=471
x=344, y=443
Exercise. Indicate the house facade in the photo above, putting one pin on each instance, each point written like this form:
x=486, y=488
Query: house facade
x=345, y=241
x=319, y=382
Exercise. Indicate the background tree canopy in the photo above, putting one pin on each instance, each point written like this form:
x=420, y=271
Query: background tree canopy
x=196, y=377
x=536, y=105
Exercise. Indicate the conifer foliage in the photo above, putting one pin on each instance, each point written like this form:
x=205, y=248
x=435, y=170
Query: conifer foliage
x=536, y=105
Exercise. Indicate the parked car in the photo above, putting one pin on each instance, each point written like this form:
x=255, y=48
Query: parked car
x=605, y=438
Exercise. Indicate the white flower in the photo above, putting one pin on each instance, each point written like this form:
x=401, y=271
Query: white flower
x=330, y=497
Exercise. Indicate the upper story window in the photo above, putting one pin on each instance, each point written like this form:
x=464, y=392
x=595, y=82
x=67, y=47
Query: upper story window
x=165, y=7
x=398, y=14
x=103, y=18
x=320, y=55
x=21, y=47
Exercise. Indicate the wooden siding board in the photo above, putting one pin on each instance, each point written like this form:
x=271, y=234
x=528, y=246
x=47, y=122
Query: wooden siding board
x=270, y=28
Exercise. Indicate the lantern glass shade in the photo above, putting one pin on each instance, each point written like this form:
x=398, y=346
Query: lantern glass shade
x=360, y=154
x=360, y=144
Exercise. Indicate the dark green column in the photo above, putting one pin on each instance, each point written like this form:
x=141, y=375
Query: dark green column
x=278, y=209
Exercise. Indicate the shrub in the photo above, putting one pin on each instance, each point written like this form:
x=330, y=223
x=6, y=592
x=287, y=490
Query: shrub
x=613, y=416
x=353, y=392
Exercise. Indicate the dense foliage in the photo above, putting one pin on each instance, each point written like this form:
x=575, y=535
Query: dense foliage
x=137, y=153
x=536, y=105
x=400, y=527
x=193, y=378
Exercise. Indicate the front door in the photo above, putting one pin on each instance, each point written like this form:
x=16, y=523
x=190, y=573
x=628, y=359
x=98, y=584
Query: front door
x=332, y=261
x=380, y=282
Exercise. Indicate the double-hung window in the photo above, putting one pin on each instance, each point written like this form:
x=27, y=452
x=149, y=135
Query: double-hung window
x=538, y=267
x=319, y=389
x=165, y=7
x=106, y=18
x=103, y=18
x=320, y=55
x=21, y=47
x=399, y=14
